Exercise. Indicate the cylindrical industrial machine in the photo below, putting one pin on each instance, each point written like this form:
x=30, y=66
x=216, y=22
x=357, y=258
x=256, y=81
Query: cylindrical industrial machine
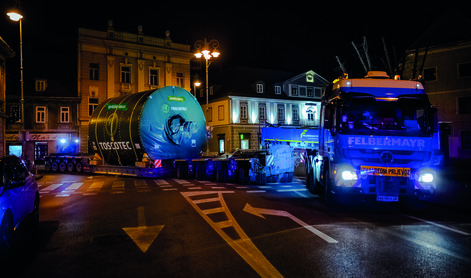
x=167, y=123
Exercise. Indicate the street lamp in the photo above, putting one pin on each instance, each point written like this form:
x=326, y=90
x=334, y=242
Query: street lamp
x=15, y=16
x=197, y=83
x=207, y=50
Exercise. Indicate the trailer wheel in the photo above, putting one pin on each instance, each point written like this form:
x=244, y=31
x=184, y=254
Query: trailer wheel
x=54, y=166
x=47, y=166
x=79, y=167
x=70, y=166
x=62, y=166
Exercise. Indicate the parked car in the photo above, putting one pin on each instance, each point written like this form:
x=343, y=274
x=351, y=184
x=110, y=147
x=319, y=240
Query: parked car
x=19, y=200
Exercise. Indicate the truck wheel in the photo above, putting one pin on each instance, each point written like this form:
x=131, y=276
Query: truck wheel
x=62, y=166
x=70, y=166
x=47, y=166
x=329, y=197
x=79, y=167
x=54, y=166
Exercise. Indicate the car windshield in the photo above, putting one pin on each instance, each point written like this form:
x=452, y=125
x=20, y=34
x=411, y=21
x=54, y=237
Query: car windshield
x=406, y=115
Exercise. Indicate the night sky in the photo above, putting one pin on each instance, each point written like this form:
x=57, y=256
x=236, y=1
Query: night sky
x=293, y=37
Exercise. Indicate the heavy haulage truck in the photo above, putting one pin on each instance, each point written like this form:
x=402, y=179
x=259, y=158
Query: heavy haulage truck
x=160, y=133
x=378, y=139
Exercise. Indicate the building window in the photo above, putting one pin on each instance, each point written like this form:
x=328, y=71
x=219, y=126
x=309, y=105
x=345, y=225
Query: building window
x=14, y=112
x=310, y=92
x=180, y=82
x=94, y=71
x=281, y=113
x=64, y=114
x=221, y=113
x=244, y=141
x=294, y=91
x=40, y=114
x=262, y=116
x=92, y=105
x=464, y=105
x=243, y=111
x=125, y=74
x=278, y=90
x=302, y=91
x=154, y=77
x=295, y=114
x=40, y=85
x=260, y=88
x=464, y=70
x=318, y=92
x=430, y=74
x=210, y=114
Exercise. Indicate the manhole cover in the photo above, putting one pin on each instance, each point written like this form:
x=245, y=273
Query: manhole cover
x=109, y=239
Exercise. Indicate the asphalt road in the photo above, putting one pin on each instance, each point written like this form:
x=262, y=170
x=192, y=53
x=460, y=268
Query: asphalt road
x=107, y=226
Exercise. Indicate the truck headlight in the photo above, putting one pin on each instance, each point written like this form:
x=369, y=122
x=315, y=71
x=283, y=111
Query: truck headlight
x=349, y=175
x=426, y=177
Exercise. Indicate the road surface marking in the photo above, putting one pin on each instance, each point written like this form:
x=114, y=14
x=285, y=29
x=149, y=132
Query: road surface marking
x=50, y=188
x=291, y=190
x=96, y=186
x=141, y=186
x=256, y=191
x=242, y=245
x=439, y=225
x=70, y=189
x=161, y=182
x=260, y=211
x=143, y=235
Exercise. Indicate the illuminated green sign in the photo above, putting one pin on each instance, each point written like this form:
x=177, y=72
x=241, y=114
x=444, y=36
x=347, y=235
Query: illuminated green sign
x=113, y=106
x=174, y=98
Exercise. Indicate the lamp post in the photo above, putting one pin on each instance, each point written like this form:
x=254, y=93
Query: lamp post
x=15, y=16
x=207, y=50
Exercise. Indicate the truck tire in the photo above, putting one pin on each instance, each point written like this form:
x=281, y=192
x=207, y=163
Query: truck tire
x=54, y=166
x=79, y=167
x=70, y=167
x=330, y=198
x=47, y=166
x=62, y=167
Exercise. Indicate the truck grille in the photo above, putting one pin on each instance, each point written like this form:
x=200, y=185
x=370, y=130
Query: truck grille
x=390, y=157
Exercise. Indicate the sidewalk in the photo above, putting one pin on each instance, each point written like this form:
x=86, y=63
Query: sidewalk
x=453, y=188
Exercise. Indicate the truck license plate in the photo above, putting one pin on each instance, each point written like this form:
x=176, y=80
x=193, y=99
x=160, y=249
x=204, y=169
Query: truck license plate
x=387, y=198
x=386, y=171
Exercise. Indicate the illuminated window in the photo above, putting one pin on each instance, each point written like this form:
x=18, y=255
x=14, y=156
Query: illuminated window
x=92, y=105
x=278, y=90
x=210, y=114
x=262, y=116
x=153, y=77
x=125, y=74
x=40, y=85
x=221, y=113
x=243, y=111
x=295, y=114
x=309, y=78
x=260, y=88
x=244, y=141
x=64, y=114
x=180, y=80
x=281, y=113
x=40, y=114
x=94, y=71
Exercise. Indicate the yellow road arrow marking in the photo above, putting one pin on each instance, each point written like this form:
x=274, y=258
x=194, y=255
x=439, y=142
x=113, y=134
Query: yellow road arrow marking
x=143, y=235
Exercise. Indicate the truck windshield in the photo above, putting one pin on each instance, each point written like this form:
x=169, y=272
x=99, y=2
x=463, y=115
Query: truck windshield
x=406, y=115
